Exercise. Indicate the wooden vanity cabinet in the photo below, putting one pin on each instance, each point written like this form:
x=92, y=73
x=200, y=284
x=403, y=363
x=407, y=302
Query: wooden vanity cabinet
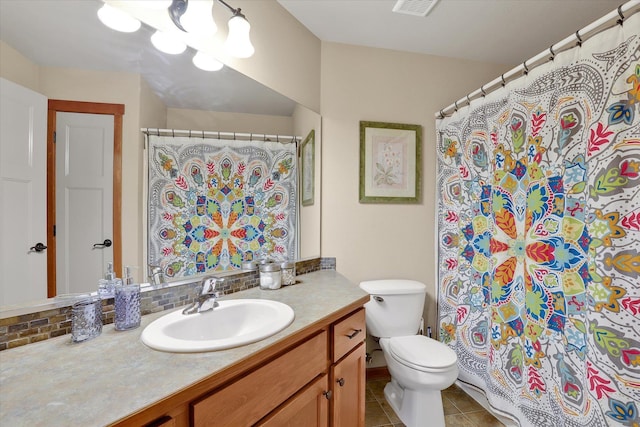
x=316, y=378
x=348, y=373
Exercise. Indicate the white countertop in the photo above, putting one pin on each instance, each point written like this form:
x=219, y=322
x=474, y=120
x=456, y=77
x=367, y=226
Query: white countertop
x=98, y=382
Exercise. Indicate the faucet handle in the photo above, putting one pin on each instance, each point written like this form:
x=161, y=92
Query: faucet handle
x=209, y=284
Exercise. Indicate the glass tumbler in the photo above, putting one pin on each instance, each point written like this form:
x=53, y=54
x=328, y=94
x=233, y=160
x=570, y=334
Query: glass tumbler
x=127, y=307
x=86, y=319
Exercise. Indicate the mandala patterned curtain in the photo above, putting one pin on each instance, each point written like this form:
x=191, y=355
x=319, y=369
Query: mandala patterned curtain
x=216, y=203
x=539, y=237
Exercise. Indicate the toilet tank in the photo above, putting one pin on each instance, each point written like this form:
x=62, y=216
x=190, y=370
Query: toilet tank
x=394, y=308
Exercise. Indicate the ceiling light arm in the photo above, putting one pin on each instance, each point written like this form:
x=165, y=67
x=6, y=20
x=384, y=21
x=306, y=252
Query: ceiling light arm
x=176, y=10
x=234, y=11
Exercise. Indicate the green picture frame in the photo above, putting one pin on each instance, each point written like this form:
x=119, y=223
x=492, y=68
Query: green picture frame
x=390, y=162
x=307, y=169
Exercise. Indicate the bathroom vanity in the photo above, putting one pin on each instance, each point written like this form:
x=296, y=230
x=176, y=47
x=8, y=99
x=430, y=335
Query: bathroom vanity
x=311, y=373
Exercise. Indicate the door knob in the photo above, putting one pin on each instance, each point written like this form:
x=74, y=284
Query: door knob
x=341, y=382
x=39, y=247
x=104, y=244
x=327, y=394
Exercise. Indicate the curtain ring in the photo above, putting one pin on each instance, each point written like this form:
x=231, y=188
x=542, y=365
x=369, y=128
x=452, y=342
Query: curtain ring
x=483, y=91
x=579, y=38
x=468, y=100
x=526, y=69
x=442, y=116
x=173, y=132
x=250, y=136
x=503, y=82
x=621, y=20
x=553, y=54
x=189, y=133
x=456, y=106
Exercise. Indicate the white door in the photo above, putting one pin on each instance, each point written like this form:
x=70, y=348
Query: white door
x=84, y=196
x=23, y=194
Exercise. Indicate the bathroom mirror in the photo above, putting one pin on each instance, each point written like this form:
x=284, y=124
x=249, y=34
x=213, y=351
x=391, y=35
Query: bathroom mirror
x=64, y=34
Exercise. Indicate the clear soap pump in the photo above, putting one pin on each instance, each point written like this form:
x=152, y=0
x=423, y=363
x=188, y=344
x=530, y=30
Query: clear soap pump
x=107, y=286
x=127, y=303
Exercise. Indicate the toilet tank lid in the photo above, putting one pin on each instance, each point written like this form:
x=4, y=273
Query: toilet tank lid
x=393, y=287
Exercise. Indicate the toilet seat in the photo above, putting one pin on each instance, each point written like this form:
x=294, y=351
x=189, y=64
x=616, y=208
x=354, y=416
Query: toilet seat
x=422, y=353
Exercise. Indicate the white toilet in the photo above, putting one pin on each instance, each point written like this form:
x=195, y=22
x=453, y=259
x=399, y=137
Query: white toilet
x=420, y=367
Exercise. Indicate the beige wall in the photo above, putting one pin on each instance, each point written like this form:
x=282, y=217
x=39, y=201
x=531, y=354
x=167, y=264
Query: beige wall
x=17, y=68
x=304, y=121
x=186, y=119
x=287, y=57
x=377, y=241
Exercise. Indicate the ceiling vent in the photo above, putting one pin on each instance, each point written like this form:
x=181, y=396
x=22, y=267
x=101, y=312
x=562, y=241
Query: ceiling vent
x=414, y=7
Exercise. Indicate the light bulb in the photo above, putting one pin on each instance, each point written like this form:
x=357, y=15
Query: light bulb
x=238, y=43
x=206, y=62
x=118, y=20
x=167, y=43
x=198, y=18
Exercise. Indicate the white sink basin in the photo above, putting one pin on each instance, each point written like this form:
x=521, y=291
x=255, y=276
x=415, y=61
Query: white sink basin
x=232, y=324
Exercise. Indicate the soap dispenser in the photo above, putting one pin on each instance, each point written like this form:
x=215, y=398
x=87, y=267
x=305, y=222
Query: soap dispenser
x=127, y=303
x=106, y=286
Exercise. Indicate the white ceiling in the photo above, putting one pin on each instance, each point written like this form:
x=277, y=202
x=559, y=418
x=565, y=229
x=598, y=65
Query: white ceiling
x=500, y=31
x=68, y=33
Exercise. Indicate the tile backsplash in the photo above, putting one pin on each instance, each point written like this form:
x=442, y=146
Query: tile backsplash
x=28, y=328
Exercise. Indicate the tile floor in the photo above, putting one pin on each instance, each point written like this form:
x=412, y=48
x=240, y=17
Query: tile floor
x=460, y=410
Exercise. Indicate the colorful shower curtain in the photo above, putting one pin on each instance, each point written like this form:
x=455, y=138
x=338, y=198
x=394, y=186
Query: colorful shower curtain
x=539, y=237
x=216, y=203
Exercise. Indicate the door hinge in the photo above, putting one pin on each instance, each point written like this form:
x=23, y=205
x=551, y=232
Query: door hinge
x=54, y=230
x=54, y=136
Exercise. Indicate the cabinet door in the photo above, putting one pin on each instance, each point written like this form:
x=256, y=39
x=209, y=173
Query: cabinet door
x=308, y=408
x=348, y=384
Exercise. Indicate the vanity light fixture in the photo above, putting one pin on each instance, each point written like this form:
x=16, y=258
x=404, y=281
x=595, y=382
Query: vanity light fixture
x=206, y=62
x=238, y=43
x=193, y=17
x=167, y=43
x=197, y=19
x=118, y=20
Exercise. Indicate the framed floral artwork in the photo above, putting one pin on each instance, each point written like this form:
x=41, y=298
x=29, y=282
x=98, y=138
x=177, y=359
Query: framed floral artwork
x=307, y=157
x=390, y=162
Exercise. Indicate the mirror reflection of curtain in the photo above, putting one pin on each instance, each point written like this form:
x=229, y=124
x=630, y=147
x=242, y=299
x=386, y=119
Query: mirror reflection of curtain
x=215, y=203
x=539, y=236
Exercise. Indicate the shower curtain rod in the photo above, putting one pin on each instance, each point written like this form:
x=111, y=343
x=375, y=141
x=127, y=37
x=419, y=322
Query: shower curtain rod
x=285, y=139
x=614, y=17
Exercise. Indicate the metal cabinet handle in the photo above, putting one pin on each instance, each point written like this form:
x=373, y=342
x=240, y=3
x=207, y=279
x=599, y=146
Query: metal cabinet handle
x=341, y=382
x=104, y=244
x=327, y=394
x=353, y=335
x=39, y=247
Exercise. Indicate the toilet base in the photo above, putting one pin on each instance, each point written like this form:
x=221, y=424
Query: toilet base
x=415, y=408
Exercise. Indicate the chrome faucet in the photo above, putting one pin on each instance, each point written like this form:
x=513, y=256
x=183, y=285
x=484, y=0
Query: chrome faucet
x=156, y=275
x=206, y=301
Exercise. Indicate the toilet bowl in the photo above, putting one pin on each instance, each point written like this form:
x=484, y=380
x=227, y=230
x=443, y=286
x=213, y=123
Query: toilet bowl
x=420, y=367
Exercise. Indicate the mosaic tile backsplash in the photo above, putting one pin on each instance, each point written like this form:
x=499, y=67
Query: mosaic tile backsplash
x=33, y=327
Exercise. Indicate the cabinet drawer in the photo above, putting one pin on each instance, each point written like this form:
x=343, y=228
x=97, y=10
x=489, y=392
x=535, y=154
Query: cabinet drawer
x=348, y=333
x=247, y=400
